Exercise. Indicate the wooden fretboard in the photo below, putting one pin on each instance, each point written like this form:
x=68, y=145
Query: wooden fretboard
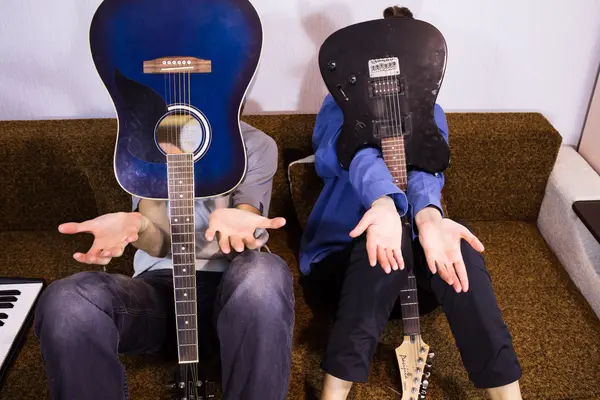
x=395, y=159
x=180, y=169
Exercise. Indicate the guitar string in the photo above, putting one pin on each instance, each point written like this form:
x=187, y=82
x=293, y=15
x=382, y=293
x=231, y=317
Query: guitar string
x=402, y=173
x=193, y=238
x=189, y=195
x=400, y=176
x=192, y=243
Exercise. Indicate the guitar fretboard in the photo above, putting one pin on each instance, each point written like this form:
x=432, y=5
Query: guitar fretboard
x=395, y=159
x=180, y=169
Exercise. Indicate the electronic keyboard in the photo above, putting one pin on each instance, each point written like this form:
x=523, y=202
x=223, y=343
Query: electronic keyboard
x=18, y=297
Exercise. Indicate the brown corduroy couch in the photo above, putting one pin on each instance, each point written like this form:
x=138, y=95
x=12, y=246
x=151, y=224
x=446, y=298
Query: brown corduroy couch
x=57, y=171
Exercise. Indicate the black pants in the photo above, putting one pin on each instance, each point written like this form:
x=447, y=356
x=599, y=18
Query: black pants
x=363, y=298
x=85, y=320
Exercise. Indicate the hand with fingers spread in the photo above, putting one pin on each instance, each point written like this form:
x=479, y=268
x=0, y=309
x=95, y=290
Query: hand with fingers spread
x=112, y=233
x=440, y=239
x=384, y=234
x=236, y=228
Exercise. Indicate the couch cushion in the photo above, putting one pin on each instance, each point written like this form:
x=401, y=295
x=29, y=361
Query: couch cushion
x=47, y=255
x=555, y=332
x=499, y=168
x=42, y=183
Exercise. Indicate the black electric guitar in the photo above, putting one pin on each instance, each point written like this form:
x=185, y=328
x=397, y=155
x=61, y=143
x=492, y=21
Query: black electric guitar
x=385, y=76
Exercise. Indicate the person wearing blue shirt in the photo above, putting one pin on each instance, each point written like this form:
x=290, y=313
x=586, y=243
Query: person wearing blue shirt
x=351, y=257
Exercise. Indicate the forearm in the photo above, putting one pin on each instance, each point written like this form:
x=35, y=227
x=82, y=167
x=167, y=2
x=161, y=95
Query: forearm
x=372, y=180
x=153, y=239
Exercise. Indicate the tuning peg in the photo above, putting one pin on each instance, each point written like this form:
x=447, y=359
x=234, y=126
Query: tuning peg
x=425, y=384
x=431, y=356
x=427, y=375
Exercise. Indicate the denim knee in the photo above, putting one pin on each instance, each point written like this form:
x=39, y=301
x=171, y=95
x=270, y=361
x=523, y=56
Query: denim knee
x=70, y=307
x=259, y=281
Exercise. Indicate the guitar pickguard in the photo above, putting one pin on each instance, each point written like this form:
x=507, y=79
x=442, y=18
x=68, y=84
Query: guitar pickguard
x=141, y=111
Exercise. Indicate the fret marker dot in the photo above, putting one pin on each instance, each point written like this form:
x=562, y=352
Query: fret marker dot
x=185, y=295
x=186, y=322
x=180, y=195
x=396, y=180
x=187, y=220
x=394, y=157
x=182, y=248
x=180, y=182
x=175, y=219
x=408, y=297
x=184, y=270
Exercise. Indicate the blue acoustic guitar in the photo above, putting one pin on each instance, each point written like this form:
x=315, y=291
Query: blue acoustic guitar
x=177, y=72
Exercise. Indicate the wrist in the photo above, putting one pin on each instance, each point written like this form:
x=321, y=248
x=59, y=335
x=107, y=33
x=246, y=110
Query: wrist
x=427, y=215
x=385, y=201
x=144, y=222
x=249, y=208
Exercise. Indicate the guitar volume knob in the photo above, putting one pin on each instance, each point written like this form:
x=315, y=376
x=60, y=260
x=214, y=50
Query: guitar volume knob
x=332, y=66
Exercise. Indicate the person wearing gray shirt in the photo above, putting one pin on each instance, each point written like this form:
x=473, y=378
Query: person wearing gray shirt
x=245, y=296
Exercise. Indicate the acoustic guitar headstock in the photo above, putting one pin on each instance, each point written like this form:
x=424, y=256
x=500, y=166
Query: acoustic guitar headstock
x=414, y=360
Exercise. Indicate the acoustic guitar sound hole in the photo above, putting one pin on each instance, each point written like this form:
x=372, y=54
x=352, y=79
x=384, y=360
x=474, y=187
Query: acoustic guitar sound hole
x=181, y=131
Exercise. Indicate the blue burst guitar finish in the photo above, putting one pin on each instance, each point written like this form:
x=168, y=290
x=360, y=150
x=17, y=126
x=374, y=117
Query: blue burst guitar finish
x=177, y=72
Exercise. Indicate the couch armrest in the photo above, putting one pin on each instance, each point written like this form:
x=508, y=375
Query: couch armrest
x=572, y=179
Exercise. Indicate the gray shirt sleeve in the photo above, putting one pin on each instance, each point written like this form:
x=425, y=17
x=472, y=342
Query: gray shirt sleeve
x=261, y=154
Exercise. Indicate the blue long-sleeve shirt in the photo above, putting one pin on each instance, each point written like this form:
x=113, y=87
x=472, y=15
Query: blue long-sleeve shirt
x=347, y=194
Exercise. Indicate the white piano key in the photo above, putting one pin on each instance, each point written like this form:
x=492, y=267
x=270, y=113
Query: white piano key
x=17, y=314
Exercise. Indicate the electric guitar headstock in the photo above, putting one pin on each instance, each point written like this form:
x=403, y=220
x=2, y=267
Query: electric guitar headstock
x=415, y=360
x=188, y=385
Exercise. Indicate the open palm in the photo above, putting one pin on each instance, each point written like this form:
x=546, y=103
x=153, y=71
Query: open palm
x=441, y=243
x=236, y=228
x=112, y=233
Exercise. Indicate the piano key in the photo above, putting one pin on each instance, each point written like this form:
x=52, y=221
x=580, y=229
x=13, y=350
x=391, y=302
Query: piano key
x=14, y=317
x=1, y=323
x=6, y=299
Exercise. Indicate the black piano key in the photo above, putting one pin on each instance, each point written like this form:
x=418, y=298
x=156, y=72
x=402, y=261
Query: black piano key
x=6, y=305
x=9, y=292
x=1, y=323
x=6, y=299
x=3, y=316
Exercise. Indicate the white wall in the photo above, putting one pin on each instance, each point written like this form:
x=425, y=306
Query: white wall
x=539, y=55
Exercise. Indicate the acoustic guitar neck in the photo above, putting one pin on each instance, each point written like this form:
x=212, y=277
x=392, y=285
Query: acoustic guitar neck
x=180, y=168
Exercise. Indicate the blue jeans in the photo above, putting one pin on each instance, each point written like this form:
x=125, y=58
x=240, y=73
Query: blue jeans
x=85, y=320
